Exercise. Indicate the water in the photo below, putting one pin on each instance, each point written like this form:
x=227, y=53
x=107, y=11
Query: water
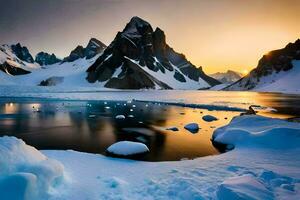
x=90, y=126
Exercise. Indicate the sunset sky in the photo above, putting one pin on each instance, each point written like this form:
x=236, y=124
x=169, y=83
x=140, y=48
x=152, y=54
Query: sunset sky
x=215, y=34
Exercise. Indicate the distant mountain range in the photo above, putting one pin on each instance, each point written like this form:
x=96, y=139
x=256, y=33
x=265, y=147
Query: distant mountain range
x=277, y=71
x=227, y=77
x=138, y=58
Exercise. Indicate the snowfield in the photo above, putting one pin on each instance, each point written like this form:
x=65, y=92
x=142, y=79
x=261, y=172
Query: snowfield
x=265, y=166
x=285, y=82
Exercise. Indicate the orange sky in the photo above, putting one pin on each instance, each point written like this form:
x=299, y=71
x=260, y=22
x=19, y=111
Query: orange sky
x=215, y=34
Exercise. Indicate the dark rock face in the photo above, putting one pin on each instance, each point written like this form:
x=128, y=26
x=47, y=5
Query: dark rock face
x=138, y=45
x=93, y=48
x=46, y=59
x=11, y=70
x=75, y=54
x=178, y=76
x=134, y=77
x=274, y=61
x=52, y=81
x=22, y=53
x=188, y=68
x=278, y=60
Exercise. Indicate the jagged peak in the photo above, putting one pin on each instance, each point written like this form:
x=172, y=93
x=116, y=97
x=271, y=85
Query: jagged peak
x=159, y=30
x=19, y=45
x=135, y=24
x=22, y=52
x=138, y=21
x=95, y=42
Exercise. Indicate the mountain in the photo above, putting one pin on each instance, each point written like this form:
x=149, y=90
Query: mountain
x=139, y=58
x=22, y=53
x=93, y=48
x=227, y=77
x=46, y=59
x=278, y=71
x=46, y=70
x=16, y=60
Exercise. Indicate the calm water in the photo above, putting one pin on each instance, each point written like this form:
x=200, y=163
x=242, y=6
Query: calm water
x=90, y=126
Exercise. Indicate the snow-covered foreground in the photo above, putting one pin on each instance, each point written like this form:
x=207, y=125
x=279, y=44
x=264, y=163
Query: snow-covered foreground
x=263, y=165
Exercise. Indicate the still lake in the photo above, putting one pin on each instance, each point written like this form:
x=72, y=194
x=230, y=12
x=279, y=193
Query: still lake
x=91, y=126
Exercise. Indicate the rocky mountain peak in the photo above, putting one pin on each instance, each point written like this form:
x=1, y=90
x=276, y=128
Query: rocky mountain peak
x=138, y=49
x=229, y=76
x=93, y=48
x=44, y=58
x=22, y=53
x=137, y=25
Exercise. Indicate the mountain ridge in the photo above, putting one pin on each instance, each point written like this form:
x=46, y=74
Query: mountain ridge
x=229, y=76
x=271, y=68
x=138, y=44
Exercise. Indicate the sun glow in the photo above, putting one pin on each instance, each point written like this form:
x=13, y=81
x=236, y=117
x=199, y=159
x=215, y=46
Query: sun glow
x=245, y=72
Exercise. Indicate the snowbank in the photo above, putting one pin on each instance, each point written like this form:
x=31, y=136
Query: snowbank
x=127, y=148
x=25, y=172
x=254, y=131
x=243, y=187
x=253, y=170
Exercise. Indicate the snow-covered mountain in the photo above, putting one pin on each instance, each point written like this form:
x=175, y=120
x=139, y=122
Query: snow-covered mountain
x=21, y=69
x=16, y=60
x=43, y=58
x=277, y=71
x=139, y=58
x=93, y=48
x=227, y=77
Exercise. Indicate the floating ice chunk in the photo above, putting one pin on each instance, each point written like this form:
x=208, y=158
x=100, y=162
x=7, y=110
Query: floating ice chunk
x=192, y=127
x=92, y=116
x=130, y=116
x=243, y=187
x=172, y=128
x=209, y=118
x=127, y=148
x=257, y=131
x=120, y=117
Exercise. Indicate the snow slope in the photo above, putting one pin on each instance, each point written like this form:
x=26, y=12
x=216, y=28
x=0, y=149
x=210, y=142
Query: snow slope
x=73, y=73
x=7, y=55
x=283, y=81
x=286, y=82
x=257, y=169
x=168, y=77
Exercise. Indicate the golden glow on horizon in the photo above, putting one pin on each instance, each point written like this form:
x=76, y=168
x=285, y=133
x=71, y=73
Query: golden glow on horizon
x=245, y=72
x=217, y=35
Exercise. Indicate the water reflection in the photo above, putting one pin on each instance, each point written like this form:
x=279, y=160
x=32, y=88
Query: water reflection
x=91, y=126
